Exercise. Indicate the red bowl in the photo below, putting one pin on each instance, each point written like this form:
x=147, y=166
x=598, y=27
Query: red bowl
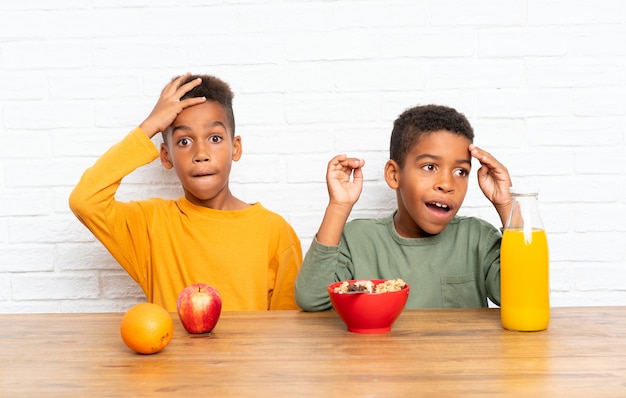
x=368, y=312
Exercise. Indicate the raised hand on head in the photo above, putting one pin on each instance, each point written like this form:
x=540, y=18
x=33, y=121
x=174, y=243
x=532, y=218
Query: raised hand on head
x=169, y=105
x=494, y=180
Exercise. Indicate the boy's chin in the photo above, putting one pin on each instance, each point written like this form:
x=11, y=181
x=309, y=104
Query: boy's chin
x=423, y=231
x=435, y=229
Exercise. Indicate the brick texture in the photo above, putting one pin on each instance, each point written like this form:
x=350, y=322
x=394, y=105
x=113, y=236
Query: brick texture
x=543, y=83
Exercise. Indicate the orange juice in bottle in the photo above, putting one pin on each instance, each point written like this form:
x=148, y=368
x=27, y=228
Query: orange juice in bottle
x=524, y=267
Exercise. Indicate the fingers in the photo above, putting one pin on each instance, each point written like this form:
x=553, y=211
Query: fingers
x=175, y=89
x=344, y=180
x=479, y=153
x=344, y=162
x=353, y=163
x=341, y=169
x=186, y=103
x=171, y=87
x=184, y=89
x=485, y=158
x=187, y=87
x=169, y=104
x=492, y=175
x=357, y=174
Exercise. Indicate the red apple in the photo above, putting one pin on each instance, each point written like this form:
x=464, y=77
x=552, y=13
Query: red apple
x=199, y=307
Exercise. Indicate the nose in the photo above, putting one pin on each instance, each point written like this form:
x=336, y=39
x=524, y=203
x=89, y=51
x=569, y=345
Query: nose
x=445, y=183
x=201, y=154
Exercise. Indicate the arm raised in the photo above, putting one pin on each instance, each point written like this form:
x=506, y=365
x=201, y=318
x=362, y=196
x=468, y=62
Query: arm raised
x=344, y=179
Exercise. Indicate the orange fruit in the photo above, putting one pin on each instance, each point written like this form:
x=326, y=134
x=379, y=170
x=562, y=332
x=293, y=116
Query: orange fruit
x=147, y=328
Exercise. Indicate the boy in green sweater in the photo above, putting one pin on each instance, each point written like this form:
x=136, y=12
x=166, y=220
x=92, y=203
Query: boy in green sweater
x=449, y=260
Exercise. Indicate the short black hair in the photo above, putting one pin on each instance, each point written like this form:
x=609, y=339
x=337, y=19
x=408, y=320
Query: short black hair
x=418, y=121
x=213, y=89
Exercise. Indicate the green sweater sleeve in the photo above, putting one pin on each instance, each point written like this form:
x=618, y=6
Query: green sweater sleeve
x=316, y=273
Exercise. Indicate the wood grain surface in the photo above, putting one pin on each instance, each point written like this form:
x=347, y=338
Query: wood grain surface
x=429, y=352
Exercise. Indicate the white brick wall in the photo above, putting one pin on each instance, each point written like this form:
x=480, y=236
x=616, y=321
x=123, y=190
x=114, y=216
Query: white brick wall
x=542, y=81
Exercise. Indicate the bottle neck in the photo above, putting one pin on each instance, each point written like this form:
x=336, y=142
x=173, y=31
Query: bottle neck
x=524, y=213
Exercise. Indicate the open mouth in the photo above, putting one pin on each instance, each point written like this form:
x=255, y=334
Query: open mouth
x=438, y=207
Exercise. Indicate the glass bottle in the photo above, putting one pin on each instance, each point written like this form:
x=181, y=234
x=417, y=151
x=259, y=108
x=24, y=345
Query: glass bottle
x=524, y=266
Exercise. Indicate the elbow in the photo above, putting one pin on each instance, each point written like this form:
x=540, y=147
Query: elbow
x=304, y=305
x=311, y=303
x=78, y=203
x=75, y=202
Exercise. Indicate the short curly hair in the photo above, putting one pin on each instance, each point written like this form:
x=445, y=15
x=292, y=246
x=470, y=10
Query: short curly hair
x=213, y=89
x=418, y=121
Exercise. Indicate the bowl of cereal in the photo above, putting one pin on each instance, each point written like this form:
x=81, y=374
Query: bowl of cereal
x=369, y=306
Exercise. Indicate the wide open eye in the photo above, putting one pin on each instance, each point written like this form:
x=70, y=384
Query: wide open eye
x=216, y=139
x=429, y=167
x=183, y=141
x=461, y=172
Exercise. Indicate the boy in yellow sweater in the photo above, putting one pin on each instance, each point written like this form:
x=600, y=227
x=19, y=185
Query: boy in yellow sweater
x=248, y=253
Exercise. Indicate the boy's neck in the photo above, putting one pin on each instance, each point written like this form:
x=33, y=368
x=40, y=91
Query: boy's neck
x=411, y=233
x=229, y=203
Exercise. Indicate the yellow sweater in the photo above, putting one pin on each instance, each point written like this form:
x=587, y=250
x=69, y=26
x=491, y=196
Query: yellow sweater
x=250, y=256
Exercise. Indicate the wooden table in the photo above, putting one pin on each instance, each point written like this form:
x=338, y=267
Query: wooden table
x=436, y=352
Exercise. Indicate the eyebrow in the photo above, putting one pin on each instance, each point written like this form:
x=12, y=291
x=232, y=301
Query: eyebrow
x=436, y=157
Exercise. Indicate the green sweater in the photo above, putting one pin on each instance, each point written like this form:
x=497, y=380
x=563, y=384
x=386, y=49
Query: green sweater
x=460, y=267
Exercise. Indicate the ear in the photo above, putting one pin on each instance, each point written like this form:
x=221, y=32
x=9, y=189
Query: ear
x=237, y=148
x=392, y=174
x=165, y=157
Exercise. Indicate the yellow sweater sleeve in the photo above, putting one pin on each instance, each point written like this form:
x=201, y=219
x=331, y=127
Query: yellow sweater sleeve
x=117, y=225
